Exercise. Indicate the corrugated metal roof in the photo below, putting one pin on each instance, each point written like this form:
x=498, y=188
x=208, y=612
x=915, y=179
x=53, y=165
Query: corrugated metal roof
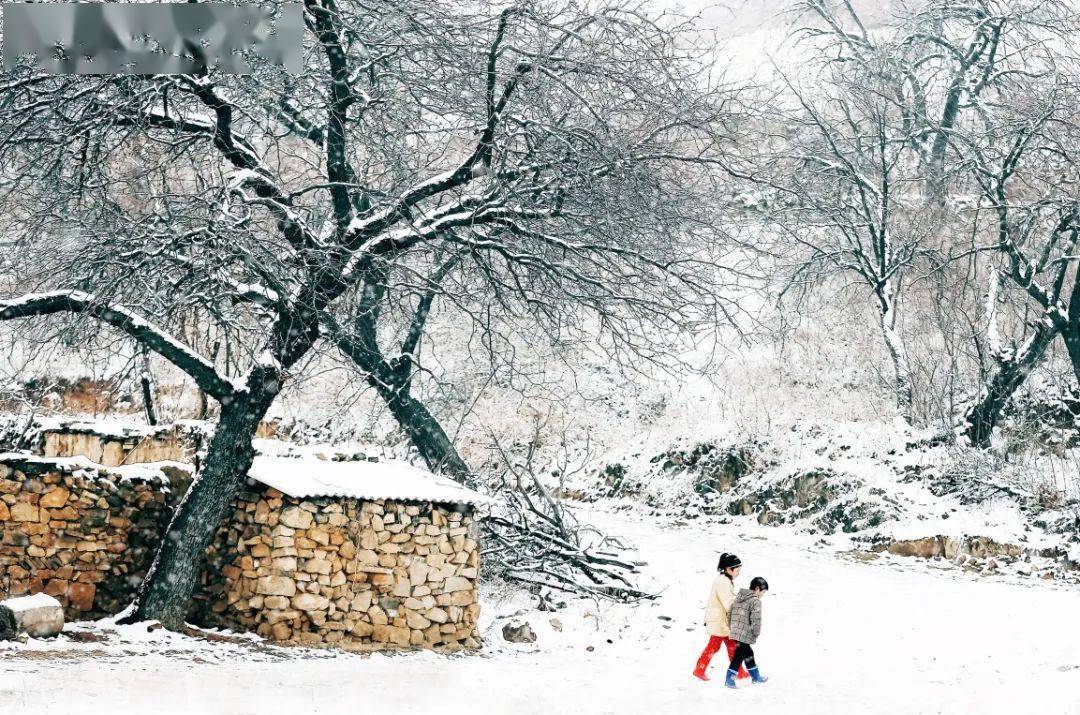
x=392, y=480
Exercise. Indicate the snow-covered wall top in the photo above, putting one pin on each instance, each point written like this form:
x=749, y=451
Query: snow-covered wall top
x=389, y=480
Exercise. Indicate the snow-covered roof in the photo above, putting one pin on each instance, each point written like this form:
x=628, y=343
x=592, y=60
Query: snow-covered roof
x=392, y=480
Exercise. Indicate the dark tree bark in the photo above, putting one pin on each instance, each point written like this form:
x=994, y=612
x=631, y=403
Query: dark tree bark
x=982, y=417
x=420, y=426
x=392, y=379
x=425, y=433
x=1071, y=332
x=166, y=592
x=147, y=382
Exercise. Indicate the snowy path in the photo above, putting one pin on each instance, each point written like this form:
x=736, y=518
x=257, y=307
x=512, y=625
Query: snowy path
x=839, y=637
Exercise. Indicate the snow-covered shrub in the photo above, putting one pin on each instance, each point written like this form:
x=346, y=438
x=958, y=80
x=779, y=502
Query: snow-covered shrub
x=821, y=499
x=695, y=476
x=1046, y=415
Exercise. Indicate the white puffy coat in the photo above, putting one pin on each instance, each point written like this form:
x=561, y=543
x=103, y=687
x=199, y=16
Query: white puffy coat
x=721, y=596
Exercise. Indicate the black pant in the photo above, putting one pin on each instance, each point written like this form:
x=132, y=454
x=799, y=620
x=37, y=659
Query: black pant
x=744, y=655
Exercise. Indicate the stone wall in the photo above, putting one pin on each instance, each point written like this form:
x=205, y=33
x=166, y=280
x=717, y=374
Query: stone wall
x=167, y=443
x=359, y=575
x=83, y=535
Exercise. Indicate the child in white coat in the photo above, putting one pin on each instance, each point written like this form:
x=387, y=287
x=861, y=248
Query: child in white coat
x=721, y=596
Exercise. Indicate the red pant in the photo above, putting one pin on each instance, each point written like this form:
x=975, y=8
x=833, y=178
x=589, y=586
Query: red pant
x=710, y=650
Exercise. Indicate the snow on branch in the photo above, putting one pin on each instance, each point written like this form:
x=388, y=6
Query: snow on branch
x=152, y=336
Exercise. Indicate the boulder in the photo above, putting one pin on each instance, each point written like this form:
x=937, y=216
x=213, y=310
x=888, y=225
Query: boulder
x=39, y=615
x=518, y=633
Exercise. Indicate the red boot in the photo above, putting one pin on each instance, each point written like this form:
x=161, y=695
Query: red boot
x=706, y=656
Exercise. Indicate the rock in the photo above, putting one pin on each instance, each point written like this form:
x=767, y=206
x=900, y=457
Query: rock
x=310, y=602
x=402, y=588
x=366, y=557
x=81, y=596
x=55, y=498
x=276, y=603
x=319, y=566
x=276, y=586
x=296, y=518
x=40, y=615
x=457, y=583
x=362, y=630
x=416, y=621
x=926, y=548
x=556, y=624
x=285, y=563
x=418, y=571
x=951, y=547
x=462, y=598
x=518, y=633
x=362, y=601
x=390, y=634
x=24, y=511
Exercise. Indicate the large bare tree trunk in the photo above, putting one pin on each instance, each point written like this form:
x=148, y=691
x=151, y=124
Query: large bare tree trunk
x=1009, y=375
x=167, y=590
x=1071, y=332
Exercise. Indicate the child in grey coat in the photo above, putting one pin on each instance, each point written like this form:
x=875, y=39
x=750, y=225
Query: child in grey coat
x=745, y=621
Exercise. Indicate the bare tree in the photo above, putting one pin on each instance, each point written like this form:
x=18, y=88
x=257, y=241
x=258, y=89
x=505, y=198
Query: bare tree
x=945, y=59
x=543, y=155
x=849, y=198
x=957, y=75
x=1025, y=163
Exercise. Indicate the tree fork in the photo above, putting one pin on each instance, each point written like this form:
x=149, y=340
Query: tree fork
x=982, y=417
x=425, y=433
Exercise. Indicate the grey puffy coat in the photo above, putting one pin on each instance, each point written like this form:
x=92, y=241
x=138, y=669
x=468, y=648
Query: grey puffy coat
x=745, y=617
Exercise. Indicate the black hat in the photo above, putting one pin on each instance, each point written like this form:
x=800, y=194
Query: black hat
x=728, y=561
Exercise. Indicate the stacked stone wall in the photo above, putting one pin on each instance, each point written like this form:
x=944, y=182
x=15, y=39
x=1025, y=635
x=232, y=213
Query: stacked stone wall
x=83, y=535
x=112, y=450
x=360, y=575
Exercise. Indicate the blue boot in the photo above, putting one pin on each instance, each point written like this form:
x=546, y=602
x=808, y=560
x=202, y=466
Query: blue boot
x=730, y=680
x=756, y=676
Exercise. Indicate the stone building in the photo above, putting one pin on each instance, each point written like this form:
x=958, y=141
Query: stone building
x=363, y=555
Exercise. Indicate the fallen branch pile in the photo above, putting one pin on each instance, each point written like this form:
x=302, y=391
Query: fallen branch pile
x=532, y=538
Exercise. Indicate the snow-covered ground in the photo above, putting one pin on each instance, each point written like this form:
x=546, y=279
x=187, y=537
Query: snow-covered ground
x=840, y=635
